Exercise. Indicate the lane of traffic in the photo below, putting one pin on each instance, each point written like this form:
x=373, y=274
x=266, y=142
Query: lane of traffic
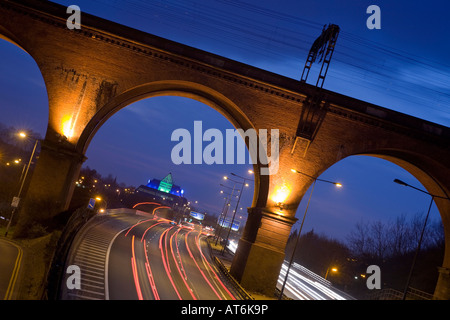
x=151, y=258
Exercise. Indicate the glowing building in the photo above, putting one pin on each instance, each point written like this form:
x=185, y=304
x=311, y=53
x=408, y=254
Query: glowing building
x=164, y=190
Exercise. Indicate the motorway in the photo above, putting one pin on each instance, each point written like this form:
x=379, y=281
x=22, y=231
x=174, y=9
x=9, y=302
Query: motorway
x=303, y=284
x=133, y=255
x=143, y=257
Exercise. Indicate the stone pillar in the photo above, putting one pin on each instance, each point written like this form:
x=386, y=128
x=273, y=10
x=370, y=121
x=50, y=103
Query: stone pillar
x=442, y=290
x=261, y=250
x=51, y=186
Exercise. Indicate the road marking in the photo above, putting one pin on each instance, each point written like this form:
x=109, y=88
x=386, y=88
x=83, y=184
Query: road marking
x=94, y=286
x=15, y=273
x=107, y=262
x=184, y=278
x=198, y=267
x=82, y=297
x=215, y=277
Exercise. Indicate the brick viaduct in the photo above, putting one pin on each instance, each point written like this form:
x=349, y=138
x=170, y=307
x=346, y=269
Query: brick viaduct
x=94, y=72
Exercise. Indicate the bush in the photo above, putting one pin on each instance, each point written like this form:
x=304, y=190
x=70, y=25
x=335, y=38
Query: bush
x=36, y=230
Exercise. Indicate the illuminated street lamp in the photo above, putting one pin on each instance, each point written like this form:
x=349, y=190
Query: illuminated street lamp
x=225, y=210
x=16, y=200
x=221, y=191
x=332, y=269
x=400, y=182
x=244, y=184
x=337, y=184
x=98, y=198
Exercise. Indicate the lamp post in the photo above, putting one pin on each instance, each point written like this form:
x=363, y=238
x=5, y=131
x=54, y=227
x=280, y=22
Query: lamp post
x=337, y=184
x=227, y=199
x=98, y=198
x=24, y=178
x=227, y=204
x=330, y=268
x=244, y=184
x=400, y=182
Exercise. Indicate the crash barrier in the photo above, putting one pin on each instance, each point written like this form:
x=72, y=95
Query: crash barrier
x=244, y=294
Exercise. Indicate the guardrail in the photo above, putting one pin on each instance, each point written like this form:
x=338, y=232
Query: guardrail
x=244, y=294
x=311, y=274
x=392, y=294
x=417, y=294
x=55, y=274
x=224, y=270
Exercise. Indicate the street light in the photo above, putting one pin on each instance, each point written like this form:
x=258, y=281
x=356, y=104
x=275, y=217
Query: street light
x=238, y=176
x=332, y=269
x=98, y=198
x=337, y=184
x=221, y=191
x=225, y=211
x=400, y=182
x=244, y=184
x=23, y=135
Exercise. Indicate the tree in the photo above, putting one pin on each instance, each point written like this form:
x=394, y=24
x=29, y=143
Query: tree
x=358, y=240
x=392, y=245
x=318, y=253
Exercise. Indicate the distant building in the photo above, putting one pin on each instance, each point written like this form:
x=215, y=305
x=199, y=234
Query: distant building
x=163, y=190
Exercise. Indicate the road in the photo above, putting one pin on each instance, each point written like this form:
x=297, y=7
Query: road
x=303, y=284
x=10, y=262
x=129, y=256
x=132, y=257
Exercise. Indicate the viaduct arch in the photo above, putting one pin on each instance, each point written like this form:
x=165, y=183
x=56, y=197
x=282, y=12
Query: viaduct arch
x=185, y=89
x=93, y=72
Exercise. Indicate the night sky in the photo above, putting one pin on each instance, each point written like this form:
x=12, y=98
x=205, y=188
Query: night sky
x=402, y=66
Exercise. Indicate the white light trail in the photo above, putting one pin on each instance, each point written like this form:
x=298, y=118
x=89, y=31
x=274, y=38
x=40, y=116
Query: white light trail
x=302, y=283
x=311, y=286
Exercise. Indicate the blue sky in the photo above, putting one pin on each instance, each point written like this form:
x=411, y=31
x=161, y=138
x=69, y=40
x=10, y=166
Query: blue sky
x=403, y=66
